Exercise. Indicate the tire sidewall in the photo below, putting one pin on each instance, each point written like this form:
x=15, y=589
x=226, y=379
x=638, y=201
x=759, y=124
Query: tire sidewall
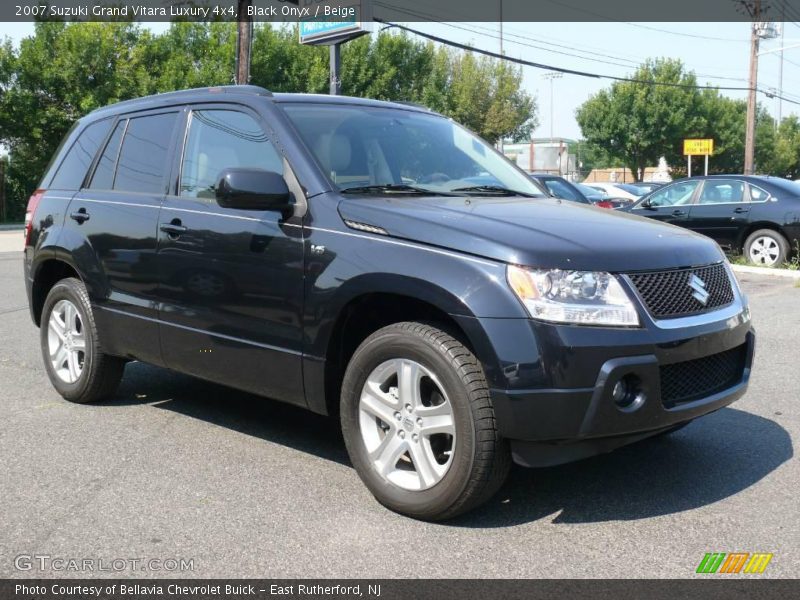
x=66, y=290
x=783, y=245
x=387, y=345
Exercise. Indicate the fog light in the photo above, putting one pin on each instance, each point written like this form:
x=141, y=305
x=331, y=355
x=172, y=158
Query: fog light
x=627, y=393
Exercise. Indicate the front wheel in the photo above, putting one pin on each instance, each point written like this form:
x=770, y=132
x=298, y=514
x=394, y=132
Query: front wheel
x=78, y=367
x=419, y=425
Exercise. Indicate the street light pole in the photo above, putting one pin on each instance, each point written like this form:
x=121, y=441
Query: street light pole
x=551, y=76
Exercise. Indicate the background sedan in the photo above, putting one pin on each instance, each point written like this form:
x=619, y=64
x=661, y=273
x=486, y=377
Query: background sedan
x=756, y=216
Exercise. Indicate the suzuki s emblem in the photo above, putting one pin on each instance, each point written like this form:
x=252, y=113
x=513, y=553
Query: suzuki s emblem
x=700, y=293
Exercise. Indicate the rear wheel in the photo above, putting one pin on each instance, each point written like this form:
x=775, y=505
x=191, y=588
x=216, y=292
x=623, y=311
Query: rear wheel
x=73, y=355
x=766, y=247
x=419, y=424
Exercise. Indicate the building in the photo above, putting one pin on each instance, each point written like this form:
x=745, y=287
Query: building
x=545, y=155
x=659, y=174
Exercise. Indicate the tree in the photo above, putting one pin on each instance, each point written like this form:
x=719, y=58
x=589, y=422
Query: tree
x=66, y=70
x=725, y=124
x=54, y=78
x=784, y=161
x=637, y=123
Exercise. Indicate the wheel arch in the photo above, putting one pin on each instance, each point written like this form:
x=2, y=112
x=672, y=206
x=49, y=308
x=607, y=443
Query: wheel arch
x=47, y=273
x=755, y=226
x=364, y=313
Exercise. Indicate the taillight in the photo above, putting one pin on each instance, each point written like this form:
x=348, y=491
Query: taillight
x=33, y=202
x=605, y=204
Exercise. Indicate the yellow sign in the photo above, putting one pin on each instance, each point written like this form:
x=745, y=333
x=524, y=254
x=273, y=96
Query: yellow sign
x=698, y=147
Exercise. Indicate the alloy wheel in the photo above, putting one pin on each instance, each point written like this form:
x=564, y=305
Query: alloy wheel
x=407, y=424
x=764, y=251
x=66, y=341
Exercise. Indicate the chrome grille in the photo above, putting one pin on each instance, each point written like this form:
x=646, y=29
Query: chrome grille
x=669, y=294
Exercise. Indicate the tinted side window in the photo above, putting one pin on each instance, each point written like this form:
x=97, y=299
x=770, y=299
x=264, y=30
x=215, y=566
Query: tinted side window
x=676, y=194
x=757, y=194
x=722, y=191
x=103, y=178
x=80, y=156
x=222, y=139
x=143, y=157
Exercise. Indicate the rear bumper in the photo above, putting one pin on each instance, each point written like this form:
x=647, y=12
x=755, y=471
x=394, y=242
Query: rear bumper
x=554, y=425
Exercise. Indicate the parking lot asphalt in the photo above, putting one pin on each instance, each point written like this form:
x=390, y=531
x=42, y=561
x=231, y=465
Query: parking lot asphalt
x=177, y=468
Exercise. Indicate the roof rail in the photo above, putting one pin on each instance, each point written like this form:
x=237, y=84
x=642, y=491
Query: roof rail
x=414, y=104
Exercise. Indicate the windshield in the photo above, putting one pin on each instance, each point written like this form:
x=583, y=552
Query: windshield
x=632, y=189
x=359, y=146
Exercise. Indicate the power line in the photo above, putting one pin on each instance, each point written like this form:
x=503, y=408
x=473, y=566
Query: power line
x=609, y=19
x=491, y=33
x=441, y=40
x=565, y=70
x=631, y=63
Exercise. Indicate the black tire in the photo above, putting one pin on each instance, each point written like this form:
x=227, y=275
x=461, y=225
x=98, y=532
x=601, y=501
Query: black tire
x=781, y=242
x=481, y=459
x=101, y=373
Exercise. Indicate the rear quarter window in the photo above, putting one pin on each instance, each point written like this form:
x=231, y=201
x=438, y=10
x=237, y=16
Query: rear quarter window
x=79, y=157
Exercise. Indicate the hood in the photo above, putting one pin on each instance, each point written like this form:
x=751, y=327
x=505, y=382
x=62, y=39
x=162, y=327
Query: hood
x=546, y=233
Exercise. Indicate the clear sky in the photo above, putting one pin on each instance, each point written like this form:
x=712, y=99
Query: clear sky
x=717, y=52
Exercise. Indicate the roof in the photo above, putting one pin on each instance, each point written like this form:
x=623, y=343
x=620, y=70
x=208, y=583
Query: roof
x=351, y=100
x=207, y=93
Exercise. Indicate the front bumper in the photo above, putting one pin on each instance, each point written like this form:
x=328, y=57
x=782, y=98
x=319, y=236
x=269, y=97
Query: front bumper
x=555, y=399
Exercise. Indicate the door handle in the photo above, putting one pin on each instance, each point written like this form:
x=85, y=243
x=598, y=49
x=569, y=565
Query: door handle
x=740, y=210
x=678, y=213
x=174, y=228
x=79, y=216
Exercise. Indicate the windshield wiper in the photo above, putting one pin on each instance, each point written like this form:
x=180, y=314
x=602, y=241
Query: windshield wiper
x=390, y=188
x=494, y=189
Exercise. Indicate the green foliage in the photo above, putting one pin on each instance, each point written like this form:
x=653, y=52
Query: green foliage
x=65, y=70
x=636, y=124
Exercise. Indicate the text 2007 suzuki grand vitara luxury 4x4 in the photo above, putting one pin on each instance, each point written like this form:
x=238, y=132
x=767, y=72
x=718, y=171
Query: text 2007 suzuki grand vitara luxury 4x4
x=380, y=262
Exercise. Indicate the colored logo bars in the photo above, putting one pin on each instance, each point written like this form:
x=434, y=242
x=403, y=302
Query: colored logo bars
x=734, y=562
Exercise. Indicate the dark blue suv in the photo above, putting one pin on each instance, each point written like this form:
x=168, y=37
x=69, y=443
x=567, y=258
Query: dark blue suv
x=348, y=256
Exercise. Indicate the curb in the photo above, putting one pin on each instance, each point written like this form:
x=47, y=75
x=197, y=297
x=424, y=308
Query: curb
x=12, y=226
x=768, y=271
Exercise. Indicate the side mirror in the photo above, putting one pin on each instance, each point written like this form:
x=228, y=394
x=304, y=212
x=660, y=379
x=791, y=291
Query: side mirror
x=252, y=189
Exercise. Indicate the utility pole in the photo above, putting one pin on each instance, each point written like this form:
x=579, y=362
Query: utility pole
x=780, y=72
x=501, y=28
x=244, y=43
x=750, y=126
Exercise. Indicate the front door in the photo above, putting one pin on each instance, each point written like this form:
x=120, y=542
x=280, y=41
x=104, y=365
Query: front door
x=720, y=211
x=669, y=204
x=231, y=281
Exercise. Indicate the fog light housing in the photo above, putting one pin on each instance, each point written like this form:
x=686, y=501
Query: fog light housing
x=628, y=394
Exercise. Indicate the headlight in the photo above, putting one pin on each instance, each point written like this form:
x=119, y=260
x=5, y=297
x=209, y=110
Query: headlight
x=578, y=297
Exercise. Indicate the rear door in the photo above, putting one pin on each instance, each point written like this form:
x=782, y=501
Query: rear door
x=230, y=280
x=720, y=211
x=117, y=216
x=670, y=204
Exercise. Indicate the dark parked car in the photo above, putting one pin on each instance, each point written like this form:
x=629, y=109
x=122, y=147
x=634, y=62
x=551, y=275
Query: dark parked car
x=336, y=253
x=559, y=187
x=640, y=188
x=757, y=216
